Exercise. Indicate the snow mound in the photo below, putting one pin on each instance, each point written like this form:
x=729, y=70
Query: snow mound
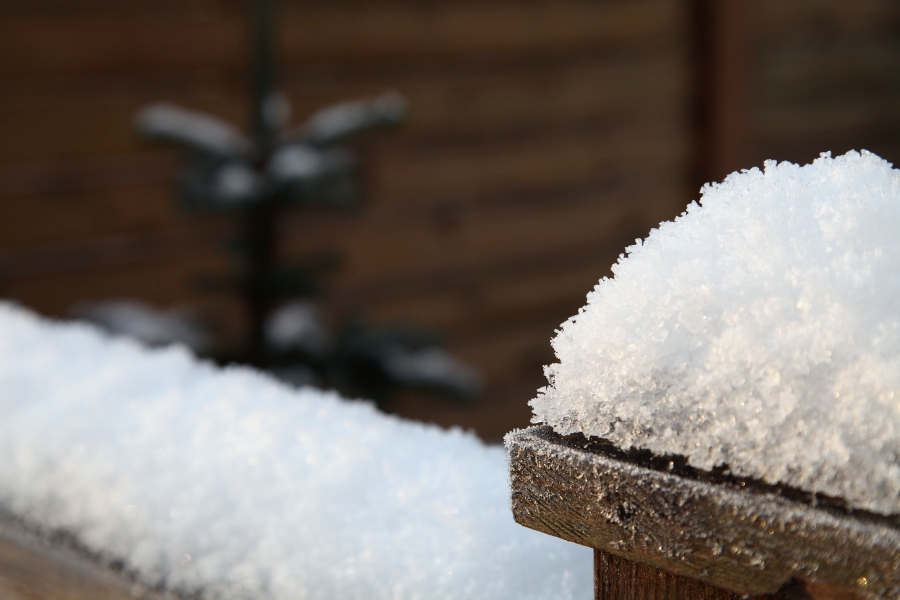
x=226, y=483
x=759, y=330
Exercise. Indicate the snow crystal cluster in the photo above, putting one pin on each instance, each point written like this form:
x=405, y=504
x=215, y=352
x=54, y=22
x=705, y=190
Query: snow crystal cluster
x=225, y=483
x=759, y=330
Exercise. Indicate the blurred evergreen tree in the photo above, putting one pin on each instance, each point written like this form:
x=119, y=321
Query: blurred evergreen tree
x=258, y=177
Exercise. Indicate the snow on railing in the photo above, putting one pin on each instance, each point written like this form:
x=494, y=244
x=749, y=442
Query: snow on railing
x=228, y=483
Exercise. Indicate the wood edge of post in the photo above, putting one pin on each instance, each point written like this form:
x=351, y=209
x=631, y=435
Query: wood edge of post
x=744, y=540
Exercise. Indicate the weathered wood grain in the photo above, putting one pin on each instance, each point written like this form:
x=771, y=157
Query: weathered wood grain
x=618, y=578
x=735, y=535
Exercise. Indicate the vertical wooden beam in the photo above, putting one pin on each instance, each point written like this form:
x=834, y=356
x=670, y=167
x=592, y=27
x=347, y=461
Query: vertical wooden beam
x=722, y=33
x=617, y=578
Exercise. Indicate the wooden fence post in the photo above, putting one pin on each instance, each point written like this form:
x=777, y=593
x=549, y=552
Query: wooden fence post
x=662, y=530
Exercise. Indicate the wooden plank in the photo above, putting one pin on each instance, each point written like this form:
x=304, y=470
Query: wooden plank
x=136, y=8
x=395, y=249
x=207, y=9
x=51, y=177
x=128, y=249
x=780, y=19
x=827, y=79
x=109, y=44
x=391, y=253
x=593, y=240
x=849, y=85
x=475, y=28
x=797, y=69
x=165, y=282
x=409, y=175
x=77, y=91
x=837, y=119
x=843, y=99
x=413, y=247
x=35, y=569
x=38, y=220
x=563, y=94
x=123, y=44
x=494, y=298
x=36, y=135
x=312, y=86
x=42, y=135
x=735, y=534
x=618, y=578
x=32, y=221
x=446, y=103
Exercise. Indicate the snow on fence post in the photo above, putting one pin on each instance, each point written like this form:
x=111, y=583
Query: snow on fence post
x=129, y=471
x=724, y=418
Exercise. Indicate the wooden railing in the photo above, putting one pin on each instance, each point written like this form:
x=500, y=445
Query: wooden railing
x=662, y=530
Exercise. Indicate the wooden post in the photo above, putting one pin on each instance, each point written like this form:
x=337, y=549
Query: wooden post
x=664, y=530
x=722, y=34
x=617, y=578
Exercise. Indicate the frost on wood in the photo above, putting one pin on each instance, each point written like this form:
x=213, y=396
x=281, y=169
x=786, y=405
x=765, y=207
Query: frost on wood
x=760, y=330
x=743, y=536
x=227, y=483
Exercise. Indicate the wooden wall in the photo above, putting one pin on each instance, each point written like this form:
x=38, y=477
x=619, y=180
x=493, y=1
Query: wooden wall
x=826, y=77
x=543, y=138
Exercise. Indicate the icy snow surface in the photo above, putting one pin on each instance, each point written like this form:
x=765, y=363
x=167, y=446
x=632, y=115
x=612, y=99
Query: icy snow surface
x=225, y=481
x=759, y=330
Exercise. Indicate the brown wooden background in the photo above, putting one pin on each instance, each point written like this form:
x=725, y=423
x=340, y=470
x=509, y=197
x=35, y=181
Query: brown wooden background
x=544, y=137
